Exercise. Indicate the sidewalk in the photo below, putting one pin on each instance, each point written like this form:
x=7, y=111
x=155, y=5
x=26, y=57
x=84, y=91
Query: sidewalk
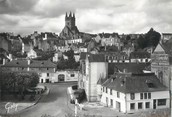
x=22, y=105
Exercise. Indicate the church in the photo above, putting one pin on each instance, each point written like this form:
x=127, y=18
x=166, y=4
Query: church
x=70, y=31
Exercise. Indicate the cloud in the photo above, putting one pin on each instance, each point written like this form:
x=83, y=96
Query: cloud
x=94, y=16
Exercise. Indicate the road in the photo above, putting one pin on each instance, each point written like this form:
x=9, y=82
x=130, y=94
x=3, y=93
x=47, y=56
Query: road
x=54, y=104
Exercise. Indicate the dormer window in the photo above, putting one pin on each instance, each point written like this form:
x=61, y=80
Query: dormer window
x=150, y=84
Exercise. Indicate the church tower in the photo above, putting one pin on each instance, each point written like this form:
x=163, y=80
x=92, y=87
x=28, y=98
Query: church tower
x=70, y=20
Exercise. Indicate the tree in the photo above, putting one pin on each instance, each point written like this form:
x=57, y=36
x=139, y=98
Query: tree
x=151, y=39
x=17, y=82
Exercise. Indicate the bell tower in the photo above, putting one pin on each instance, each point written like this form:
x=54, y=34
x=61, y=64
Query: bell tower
x=70, y=20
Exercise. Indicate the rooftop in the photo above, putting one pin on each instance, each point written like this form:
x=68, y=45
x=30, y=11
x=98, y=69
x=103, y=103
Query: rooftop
x=134, y=83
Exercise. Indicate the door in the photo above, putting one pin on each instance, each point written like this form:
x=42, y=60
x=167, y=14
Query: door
x=61, y=77
x=47, y=81
x=118, y=106
x=154, y=104
x=41, y=80
x=106, y=101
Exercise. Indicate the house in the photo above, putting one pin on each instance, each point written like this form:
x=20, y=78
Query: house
x=93, y=67
x=4, y=42
x=32, y=54
x=110, y=39
x=130, y=93
x=45, y=69
x=166, y=36
x=162, y=62
x=65, y=76
x=140, y=57
x=47, y=41
x=27, y=44
x=3, y=56
x=116, y=57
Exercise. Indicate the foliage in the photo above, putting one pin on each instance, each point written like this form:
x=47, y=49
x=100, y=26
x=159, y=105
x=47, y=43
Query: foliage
x=70, y=63
x=18, y=82
x=151, y=39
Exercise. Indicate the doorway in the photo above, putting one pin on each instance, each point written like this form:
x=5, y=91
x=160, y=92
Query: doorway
x=154, y=104
x=118, y=106
x=47, y=81
x=61, y=77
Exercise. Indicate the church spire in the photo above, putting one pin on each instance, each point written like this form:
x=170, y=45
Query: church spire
x=73, y=15
x=70, y=15
x=66, y=14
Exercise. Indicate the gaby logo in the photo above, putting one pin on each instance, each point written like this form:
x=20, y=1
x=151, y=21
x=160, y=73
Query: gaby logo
x=10, y=105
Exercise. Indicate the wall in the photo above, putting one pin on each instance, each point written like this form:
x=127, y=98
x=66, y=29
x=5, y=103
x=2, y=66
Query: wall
x=154, y=95
x=115, y=99
x=68, y=76
x=97, y=70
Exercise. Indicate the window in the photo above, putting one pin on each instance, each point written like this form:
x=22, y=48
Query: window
x=106, y=89
x=140, y=105
x=132, y=96
x=110, y=91
x=111, y=102
x=145, y=95
x=103, y=89
x=147, y=104
x=72, y=75
x=48, y=74
x=132, y=105
x=141, y=95
x=118, y=94
x=47, y=68
x=149, y=95
x=161, y=102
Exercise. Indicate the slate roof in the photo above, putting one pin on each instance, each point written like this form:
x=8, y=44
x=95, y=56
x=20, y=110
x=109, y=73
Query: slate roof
x=139, y=55
x=107, y=35
x=134, y=83
x=93, y=57
x=96, y=58
x=33, y=64
x=129, y=67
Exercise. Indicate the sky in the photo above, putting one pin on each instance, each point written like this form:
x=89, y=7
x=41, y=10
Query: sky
x=92, y=16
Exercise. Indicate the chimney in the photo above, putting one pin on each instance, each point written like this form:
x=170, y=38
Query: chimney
x=28, y=61
x=45, y=38
x=4, y=61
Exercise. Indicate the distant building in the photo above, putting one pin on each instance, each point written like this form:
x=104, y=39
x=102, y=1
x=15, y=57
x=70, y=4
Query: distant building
x=70, y=31
x=162, y=63
x=65, y=76
x=140, y=57
x=129, y=93
x=46, y=69
x=32, y=54
x=166, y=36
x=4, y=42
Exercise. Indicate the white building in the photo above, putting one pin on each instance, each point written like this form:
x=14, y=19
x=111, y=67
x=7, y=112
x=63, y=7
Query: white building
x=94, y=67
x=65, y=76
x=129, y=93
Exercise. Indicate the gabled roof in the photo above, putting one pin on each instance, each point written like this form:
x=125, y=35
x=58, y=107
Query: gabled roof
x=127, y=67
x=33, y=64
x=134, y=83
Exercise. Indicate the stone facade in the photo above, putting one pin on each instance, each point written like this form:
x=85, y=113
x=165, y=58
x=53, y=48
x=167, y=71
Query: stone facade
x=70, y=31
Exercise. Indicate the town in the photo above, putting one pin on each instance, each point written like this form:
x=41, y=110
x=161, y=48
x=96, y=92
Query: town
x=81, y=74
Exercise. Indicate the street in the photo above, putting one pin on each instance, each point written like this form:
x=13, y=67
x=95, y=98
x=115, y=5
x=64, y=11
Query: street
x=54, y=104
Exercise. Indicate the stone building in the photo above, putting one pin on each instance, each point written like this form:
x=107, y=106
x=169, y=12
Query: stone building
x=70, y=31
x=162, y=64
